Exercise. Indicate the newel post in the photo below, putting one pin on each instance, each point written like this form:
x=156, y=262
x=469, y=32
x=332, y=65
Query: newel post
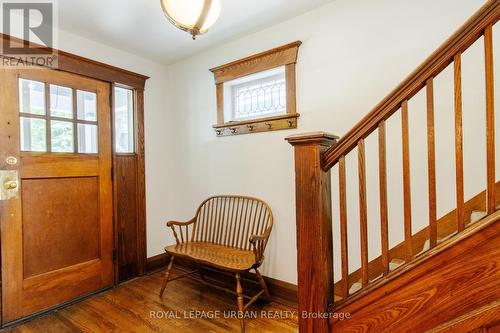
x=314, y=230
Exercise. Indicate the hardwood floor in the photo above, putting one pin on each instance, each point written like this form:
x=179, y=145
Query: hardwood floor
x=136, y=307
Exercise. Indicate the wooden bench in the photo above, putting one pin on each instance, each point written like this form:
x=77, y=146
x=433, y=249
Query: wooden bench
x=229, y=233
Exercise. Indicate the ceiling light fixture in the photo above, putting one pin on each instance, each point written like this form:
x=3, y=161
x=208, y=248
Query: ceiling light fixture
x=193, y=16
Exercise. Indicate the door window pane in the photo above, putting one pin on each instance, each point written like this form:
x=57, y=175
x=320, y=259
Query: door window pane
x=124, y=120
x=69, y=125
x=87, y=139
x=61, y=136
x=33, y=134
x=31, y=97
x=61, y=101
x=86, y=105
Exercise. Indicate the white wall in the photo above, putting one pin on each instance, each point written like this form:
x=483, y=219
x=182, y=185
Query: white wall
x=354, y=52
x=159, y=129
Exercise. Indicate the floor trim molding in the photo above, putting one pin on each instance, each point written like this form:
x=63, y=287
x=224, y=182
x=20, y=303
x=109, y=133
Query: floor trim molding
x=53, y=309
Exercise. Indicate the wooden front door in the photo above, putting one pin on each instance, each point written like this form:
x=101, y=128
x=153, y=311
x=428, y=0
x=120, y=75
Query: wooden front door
x=57, y=231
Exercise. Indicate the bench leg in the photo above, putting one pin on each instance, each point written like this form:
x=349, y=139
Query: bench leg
x=263, y=285
x=167, y=274
x=241, y=306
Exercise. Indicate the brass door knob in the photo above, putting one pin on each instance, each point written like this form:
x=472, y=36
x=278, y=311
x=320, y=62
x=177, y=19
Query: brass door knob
x=10, y=185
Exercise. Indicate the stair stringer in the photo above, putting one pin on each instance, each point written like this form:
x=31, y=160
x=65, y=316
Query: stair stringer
x=457, y=277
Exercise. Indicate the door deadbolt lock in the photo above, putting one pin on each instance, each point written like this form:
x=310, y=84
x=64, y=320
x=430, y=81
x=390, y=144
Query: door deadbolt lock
x=9, y=184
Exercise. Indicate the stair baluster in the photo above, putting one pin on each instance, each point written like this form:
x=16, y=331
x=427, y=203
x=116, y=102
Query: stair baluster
x=490, y=120
x=343, y=229
x=431, y=163
x=317, y=153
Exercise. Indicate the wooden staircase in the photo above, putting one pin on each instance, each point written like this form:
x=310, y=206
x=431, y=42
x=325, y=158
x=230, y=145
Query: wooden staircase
x=475, y=210
x=443, y=278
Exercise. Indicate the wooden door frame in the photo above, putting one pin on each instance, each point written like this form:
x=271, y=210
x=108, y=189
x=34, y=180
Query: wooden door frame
x=139, y=157
x=71, y=63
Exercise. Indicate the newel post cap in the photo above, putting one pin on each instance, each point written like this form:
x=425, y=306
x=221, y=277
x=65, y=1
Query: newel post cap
x=313, y=138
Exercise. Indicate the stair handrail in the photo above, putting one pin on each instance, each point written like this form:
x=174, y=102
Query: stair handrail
x=460, y=41
x=316, y=153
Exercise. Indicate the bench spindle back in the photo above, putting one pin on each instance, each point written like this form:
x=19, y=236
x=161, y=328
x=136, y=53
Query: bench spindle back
x=231, y=221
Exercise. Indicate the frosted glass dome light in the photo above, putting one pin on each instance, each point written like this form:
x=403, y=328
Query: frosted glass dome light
x=193, y=16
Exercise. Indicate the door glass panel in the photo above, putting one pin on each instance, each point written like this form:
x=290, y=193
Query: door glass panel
x=31, y=97
x=124, y=120
x=87, y=138
x=61, y=102
x=39, y=126
x=33, y=134
x=86, y=105
x=62, y=136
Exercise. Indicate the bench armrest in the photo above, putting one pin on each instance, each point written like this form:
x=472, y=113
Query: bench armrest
x=181, y=224
x=255, y=238
x=183, y=230
x=259, y=243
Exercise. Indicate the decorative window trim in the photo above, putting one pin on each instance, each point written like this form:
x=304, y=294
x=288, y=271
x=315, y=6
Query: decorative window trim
x=286, y=56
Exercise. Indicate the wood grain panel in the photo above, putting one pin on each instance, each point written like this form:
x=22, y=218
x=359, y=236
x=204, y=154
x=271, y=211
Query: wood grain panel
x=363, y=217
x=406, y=181
x=283, y=55
x=490, y=120
x=220, y=103
x=343, y=229
x=62, y=212
x=62, y=79
x=46, y=165
x=126, y=216
x=459, y=154
x=81, y=279
x=141, y=182
x=314, y=229
x=10, y=228
x=57, y=240
x=275, y=123
x=431, y=163
x=291, y=86
x=384, y=215
x=481, y=320
x=452, y=283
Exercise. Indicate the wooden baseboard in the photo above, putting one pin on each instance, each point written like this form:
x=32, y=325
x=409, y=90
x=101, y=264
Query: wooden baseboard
x=484, y=319
x=156, y=263
x=281, y=291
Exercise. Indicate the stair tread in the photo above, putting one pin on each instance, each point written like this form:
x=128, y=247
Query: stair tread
x=477, y=215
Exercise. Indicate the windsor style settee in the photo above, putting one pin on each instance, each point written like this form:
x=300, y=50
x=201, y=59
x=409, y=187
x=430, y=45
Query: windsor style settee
x=229, y=233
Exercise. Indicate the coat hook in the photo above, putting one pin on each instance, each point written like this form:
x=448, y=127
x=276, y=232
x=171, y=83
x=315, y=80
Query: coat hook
x=269, y=125
x=251, y=127
x=290, y=123
x=219, y=132
x=233, y=130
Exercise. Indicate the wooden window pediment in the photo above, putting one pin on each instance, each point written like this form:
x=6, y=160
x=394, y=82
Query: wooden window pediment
x=257, y=93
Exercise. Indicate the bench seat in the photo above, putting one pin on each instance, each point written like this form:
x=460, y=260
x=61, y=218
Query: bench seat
x=218, y=256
